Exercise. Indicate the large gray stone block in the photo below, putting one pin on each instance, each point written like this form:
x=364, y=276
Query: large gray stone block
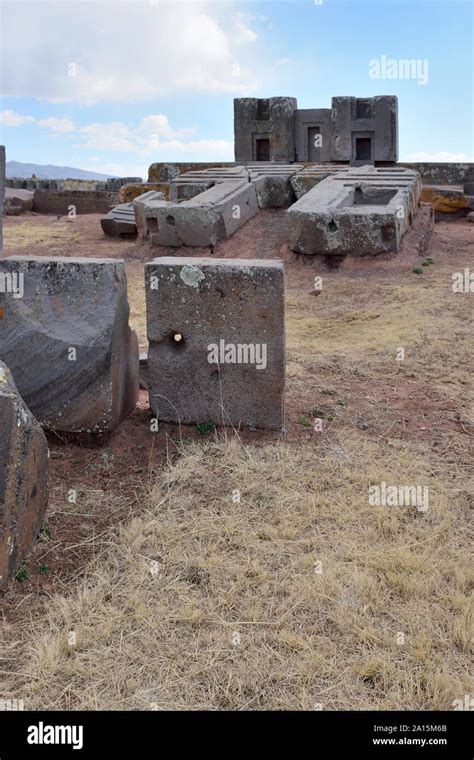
x=362, y=212
x=209, y=217
x=120, y=221
x=23, y=478
x=217, y=341
x=65, y=336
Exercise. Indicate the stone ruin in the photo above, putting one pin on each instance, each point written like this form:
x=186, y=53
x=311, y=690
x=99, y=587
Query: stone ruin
x=215, y=326
x=330, y=210
x=358, y=131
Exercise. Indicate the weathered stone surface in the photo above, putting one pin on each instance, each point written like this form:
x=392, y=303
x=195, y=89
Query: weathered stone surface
x=128, y=193
x=313, y=133
x=361, y=212
x=165, y=172
x=445, y=198
x=211, y=216
x=115, y=183
x=365, y=130
x=444, y=173
x=187, y=186
x=120, y=221
x=273, y=183
x=194, y=307
x=23, y=478
x=83, y=201
x=309, y=176
x=264, y=129
x=65, y=336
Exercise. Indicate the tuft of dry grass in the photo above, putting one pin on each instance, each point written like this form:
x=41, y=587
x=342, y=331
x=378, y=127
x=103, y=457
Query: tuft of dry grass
x=298, y=595
x=53, y=235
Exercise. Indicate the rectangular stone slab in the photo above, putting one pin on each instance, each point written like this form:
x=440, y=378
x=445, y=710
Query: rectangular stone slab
x=23, y=478
x=193, y=304
x=67, y=340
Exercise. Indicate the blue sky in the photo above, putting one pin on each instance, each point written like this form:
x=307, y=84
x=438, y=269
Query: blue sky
x=111, y=85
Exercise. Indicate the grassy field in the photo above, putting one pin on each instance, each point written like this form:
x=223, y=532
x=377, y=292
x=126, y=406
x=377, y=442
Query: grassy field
x=256, y=574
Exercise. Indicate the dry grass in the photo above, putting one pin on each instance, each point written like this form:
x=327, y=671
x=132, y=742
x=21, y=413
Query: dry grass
x=52, y=235
x=204, y=603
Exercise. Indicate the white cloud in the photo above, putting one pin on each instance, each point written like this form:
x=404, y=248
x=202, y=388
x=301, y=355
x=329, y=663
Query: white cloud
x=242, y=30
x=111, y=136
x=57, y=125
x=167, y=48
x=158, y=124
x=152, y=136
x=12, y=119
x=438, y=158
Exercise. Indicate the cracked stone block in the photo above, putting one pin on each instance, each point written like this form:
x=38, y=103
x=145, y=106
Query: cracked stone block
x=213, y=215
x=361, y=211
x=65, y=335
x=23, y=478
x=217, y=341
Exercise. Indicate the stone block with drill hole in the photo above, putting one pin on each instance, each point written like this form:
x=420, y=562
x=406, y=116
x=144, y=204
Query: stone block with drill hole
x=65, y=335
x=216, y=330
x=359, y=211
x=23, y=478
x=213, y=215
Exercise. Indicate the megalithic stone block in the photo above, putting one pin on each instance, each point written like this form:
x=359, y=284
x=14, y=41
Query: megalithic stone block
x=217, y=341
x=65, y=336
x=210, y=216
x=23, y=477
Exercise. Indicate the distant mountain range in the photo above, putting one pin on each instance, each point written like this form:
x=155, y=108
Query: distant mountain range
x=48, y=171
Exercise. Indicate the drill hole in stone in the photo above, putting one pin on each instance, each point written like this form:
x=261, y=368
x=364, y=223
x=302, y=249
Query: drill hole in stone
x=332, y=226
x=176, y=339
x=170, y=220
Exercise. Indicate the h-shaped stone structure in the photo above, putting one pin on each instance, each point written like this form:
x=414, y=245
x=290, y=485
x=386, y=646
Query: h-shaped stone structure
x=358, y=131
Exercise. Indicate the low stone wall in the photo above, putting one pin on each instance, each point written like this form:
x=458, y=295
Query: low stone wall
x=111, y=185
x=84, y=201
x=443, y=174
x=431, y=172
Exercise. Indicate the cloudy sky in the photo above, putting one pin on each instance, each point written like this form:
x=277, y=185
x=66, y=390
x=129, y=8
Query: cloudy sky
x=112, y=85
